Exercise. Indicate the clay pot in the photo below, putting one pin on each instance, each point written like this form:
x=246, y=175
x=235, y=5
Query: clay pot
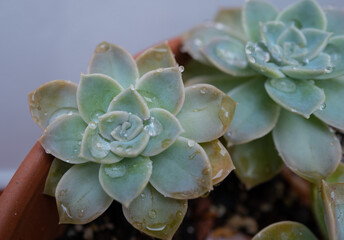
x=25, y=212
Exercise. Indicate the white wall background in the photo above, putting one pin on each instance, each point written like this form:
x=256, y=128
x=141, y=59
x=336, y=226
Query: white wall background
x=44, y=40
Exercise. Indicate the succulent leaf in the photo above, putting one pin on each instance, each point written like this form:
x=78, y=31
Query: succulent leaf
x=335, y=49
x=256, y=162
x=191, y=176
x=254, y=12
x=304, y=14
x=52, y=100
x=228, y=55
x=232, y=18
x=258, y=58
x=285, y=230
x=221, y=162
x=130, y=101
x=292, y=35
x=332, y=111
x=316, y=41
x=79, y=196
x=256, y=114
x=119, y=125
x=159, y=56
x=131, y=148
x=224, y=82
x=335, y=21
x=307, y=147
x=163, y=88
x=125, y=180
x=95, y=148
x=154, y=214
x=62, y=138
x=198, y=37
x=298, y=96
x=57, y=169
x=170, y=130
x=270, y=31
x=317, y=67
x=205, y=105
x=94, y=95
x=115, y=62
x=333, y=203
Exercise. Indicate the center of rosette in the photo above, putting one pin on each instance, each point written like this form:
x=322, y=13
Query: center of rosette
x=128, y=129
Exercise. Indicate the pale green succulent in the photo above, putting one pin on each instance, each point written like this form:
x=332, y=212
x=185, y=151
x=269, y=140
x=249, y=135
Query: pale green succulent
x=284, y=68
x=130, y=132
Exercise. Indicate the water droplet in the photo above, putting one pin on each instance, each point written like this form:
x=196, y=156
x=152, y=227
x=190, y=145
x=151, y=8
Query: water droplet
x=322, y=106
x=128, y=149
x=116, y=170
x=203, y=90
x=198, y=42
x=154, y=127
x=103, y=47
x=283, y=84
x=143, y=195
x=45, y=114
x=92, y=125
x=98, y=146
x=191, y=143
x=251, y=59
x=152, y=214
x=65, y=209
x=328, y=69
x=156, y=227
x=81, y=213
x=181, y=69
x=159, y=70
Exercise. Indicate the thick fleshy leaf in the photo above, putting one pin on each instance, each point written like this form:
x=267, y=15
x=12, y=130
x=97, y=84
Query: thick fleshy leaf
x=154, y=214
x=307, y=146
x=317, y=203
x=333, y=203
x=221, y=162
x=292, y=35
x=163, y=88
x=95, y=148
x=164, y=137
x=316, y=41
x=316, y=68
x=335, y=48
x=130, y=101
x=256, y=114
x=256, y=162
x=62, y=138
x=255, y=12
x=159, y=56
x=79, y=196
x=51, y=100
x=270, y=31
x=114, y=62
x=131, y=148
x=125, y=180
x=206, y=114
x=335, y=21
x=229, y=56
x=232, y=18
x=57, y=169
x=182, y=171
x=120, y=126
x=285, y=230
x=223, y=82
x=297, y=96
x=198, y=37
x=332, y=112
x=304, y=14
x=258, y=57
x=94, y=95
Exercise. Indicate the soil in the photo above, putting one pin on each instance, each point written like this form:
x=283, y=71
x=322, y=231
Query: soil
x=230, y=212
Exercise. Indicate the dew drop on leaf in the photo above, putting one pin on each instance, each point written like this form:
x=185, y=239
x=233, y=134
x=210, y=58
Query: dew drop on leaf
x=115, y=170
x=283, y=84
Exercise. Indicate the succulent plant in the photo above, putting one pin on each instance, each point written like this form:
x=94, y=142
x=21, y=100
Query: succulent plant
x=285, y=70
x=130, y=132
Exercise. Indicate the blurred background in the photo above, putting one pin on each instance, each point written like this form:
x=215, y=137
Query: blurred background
x=44, y=40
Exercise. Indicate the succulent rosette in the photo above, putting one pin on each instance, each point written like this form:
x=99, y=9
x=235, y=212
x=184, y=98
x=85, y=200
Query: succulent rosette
x=284, y=68
x=131, y=132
